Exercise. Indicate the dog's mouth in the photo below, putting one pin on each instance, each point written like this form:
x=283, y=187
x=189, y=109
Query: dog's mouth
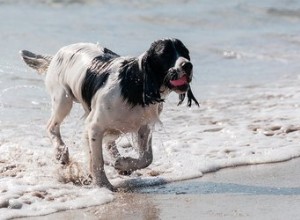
x=180, y=85
x=179, y=82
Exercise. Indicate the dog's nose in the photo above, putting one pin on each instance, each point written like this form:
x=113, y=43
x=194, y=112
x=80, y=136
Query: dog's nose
x=187, y=67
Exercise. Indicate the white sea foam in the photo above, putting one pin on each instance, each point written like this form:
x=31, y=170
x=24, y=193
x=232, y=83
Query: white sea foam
x=255, y=125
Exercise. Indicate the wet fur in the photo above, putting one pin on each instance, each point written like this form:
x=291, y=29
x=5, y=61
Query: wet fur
x=119, y=95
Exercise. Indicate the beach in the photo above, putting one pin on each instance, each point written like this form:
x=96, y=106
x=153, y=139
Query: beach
x=270, y=191
x=235, y=156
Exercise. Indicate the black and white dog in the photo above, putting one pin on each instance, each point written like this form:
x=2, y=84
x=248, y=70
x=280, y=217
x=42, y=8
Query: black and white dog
x=119, y=95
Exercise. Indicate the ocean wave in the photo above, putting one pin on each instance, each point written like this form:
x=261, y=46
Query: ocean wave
x=281, y=12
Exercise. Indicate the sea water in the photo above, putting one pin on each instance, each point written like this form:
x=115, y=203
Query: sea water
x=246, y=78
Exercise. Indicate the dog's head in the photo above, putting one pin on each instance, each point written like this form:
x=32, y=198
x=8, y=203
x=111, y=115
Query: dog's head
x=167, y=64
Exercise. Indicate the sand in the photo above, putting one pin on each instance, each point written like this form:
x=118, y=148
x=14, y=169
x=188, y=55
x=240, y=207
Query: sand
x=270, y=191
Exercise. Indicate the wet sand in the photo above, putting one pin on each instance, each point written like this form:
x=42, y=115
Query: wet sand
x=270, y=191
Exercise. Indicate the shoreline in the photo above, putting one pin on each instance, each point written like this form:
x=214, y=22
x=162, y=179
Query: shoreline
x=269, y=191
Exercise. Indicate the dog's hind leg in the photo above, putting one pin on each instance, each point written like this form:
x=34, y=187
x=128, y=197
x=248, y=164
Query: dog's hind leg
x=128, y=164
x=61, y=106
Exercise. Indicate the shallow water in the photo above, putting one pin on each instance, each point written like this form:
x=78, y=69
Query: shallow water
x=246, y=66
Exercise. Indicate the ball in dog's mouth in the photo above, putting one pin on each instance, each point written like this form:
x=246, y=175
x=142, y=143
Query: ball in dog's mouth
x=180, y=85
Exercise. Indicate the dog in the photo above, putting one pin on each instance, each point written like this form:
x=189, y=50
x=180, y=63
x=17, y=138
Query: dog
x=119, y=95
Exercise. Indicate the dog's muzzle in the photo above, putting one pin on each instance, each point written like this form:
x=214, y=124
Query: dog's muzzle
x=180, y=81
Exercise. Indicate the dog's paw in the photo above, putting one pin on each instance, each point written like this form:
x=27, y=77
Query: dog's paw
x=105, y=183
x=125, y=172
x=125, y=165
x=62, y=155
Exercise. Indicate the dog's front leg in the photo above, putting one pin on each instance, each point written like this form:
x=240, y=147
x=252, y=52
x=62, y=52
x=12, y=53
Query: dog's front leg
x=128, y=164
x=95, y=137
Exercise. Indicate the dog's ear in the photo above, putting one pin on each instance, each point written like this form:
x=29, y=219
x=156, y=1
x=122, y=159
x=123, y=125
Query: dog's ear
x=190, y=97
x=151, y=81
x=161, y=56
x=150, y=58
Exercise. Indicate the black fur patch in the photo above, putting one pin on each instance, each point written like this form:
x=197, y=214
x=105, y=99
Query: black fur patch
x=96, y=77
x=161, y=58
x=181, y=49
x=136, y=85
x=107, y=51
x=142, y=87
x=131, y=82
x=190, y=97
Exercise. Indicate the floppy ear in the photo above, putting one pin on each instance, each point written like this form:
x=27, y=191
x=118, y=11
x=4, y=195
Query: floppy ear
x=190, y=97
x=151, y=84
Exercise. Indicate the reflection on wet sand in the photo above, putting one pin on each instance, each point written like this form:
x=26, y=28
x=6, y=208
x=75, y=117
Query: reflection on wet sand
x=127, y=206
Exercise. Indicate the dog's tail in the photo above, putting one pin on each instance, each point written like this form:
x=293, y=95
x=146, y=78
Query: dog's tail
x=38, y=62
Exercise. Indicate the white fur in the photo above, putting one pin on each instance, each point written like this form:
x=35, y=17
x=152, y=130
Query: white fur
x=109, y=114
